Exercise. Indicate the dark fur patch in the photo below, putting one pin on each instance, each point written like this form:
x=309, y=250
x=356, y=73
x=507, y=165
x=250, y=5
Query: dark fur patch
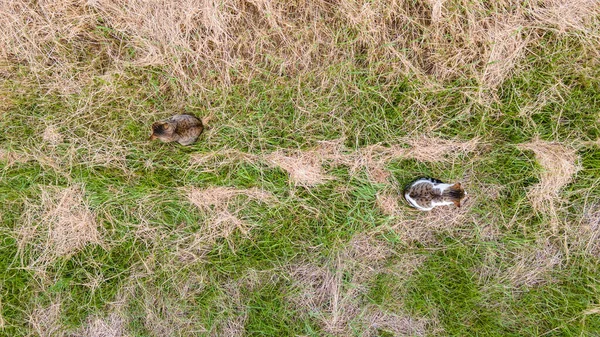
x=433, y=180
x=456, y=193
x=159, y=128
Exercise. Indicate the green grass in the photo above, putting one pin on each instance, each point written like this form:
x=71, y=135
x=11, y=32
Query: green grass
x=146, y=220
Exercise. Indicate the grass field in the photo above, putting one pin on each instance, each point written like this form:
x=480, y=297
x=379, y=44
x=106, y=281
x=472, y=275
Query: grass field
x=286, y=217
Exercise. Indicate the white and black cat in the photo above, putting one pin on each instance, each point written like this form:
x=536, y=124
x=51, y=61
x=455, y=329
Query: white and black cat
x=427, y=193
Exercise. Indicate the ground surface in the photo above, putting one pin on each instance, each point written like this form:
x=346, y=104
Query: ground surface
x=285, y=219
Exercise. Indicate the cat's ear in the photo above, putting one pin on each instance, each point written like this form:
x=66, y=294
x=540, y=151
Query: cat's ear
x=456, y=186
x=456, y=202
x=161, y=127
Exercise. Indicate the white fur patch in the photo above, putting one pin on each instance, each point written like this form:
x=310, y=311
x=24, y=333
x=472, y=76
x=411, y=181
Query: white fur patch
x=441, y=203
x=441, y=187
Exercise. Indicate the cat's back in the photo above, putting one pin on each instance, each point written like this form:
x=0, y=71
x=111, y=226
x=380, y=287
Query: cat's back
x=420, y=193
x=186, y=120
x=187, y=127
x=421, y=188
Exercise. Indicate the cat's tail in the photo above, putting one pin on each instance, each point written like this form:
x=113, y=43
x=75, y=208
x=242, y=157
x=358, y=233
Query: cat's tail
x=454, y=193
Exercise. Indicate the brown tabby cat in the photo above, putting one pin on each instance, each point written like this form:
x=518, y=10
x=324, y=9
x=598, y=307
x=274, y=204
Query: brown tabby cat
x=426, y=193
x=184, y=129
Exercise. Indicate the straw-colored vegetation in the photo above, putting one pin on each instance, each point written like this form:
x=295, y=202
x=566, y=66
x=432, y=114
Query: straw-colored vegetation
x=286, y=218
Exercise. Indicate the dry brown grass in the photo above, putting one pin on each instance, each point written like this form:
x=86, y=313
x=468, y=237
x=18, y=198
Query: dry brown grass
x=316, y=283
x=192, y=249
x=222, y=219
x=86, y=147
x=303, y=169
x=388, y=202
x=93, y=149
x=59, y=224
x=111, y=326
x=374, y=159
x=525, y=267
x=551, y=95
x=45, y=321
x=166, y=315
x=234, y=324
x=220, y=197
x=396, y=324
x=306, y=168
x=2, y=321
x=49, y=37
x=223, y=224
x=588, y=233
x=51, y=135
x=234, y=327
x=7, y=101
x=508, y=44
x=170, y=311
x=367, y=249
x=560, y=164
x=490, y=39
x=426, y=149
x=165, y=311
x=575, y=15
x=340, y=307
x=201, y=43
x=434, y=149
x=340, y=304
x=11, y=157
x=423, y=226
x=531, y=267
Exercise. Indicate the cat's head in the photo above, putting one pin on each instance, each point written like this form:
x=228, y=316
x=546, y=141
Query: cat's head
x=161, y=129
x=455, y=193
